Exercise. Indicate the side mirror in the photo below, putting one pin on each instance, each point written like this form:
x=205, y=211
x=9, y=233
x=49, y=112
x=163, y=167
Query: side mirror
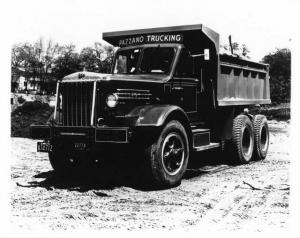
x=206, y=54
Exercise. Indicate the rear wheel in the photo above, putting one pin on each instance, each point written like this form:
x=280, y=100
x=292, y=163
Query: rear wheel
x=243, y=139
x=261, y=137
x=168, y=156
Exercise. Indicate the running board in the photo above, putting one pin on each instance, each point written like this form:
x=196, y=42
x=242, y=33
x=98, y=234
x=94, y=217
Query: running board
x=207, y=147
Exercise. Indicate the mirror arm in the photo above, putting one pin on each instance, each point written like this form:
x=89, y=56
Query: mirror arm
x=205, y=54
x=199, y=55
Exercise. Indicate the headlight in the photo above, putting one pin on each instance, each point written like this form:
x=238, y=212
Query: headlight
x=112, y=100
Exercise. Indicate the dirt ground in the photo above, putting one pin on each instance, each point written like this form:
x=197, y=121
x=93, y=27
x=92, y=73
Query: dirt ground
x=217, y=200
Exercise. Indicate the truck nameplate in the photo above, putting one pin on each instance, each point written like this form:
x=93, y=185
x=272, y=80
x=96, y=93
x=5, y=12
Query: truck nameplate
x=151, y=38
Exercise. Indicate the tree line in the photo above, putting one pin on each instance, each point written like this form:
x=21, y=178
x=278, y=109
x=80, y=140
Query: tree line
x=47, y=62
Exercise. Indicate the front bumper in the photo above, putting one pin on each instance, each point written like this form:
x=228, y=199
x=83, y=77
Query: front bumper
x=89, y=134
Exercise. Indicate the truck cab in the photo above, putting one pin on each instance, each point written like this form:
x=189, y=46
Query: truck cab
x=173, y=68
x=169, y=93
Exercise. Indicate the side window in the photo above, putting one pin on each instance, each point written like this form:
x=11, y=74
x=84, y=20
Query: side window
x=184, y=66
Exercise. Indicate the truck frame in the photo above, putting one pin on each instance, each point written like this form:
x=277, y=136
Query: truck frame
x=170, y=93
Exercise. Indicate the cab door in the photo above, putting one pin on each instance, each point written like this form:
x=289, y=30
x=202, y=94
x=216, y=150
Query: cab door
x=184, y=85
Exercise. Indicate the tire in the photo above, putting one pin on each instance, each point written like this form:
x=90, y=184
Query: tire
x=61, y=163
x=261, y=137
x=243, y=139
x=168, y=156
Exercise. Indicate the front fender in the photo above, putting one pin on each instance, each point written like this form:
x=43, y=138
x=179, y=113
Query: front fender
x=153, y=115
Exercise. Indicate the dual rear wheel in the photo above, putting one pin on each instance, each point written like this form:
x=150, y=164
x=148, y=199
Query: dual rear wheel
x=250, y=138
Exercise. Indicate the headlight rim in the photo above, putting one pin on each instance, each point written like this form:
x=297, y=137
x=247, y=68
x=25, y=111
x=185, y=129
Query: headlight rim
x=116, y=100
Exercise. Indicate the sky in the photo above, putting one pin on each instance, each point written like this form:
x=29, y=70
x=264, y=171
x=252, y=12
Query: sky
x=262, y=25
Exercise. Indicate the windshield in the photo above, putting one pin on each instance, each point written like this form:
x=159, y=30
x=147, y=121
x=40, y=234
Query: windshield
x=153, y=60
x=126, y=61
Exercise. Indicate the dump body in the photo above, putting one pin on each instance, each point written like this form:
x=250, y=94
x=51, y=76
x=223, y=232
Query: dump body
x=242, y=82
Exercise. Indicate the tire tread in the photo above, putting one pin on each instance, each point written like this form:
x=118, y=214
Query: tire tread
x=239, y=122
x=258, y=120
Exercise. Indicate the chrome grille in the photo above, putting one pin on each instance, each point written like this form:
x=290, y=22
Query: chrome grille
x=133, y=94
x=77, y=100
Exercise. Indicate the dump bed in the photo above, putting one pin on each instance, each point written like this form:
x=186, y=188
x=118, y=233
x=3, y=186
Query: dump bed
x=242, y=82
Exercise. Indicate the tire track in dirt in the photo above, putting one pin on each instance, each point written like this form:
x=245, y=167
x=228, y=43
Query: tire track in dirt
x=224, y=208
x=262, y=213
x=216, y=201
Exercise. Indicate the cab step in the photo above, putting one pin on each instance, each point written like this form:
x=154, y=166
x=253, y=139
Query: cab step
x=201, y=137
x=201, y=140
x=207, y=147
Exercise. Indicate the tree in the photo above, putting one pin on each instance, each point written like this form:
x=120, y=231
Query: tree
x=67, y=62
x=89, y=59
x=47, y=61
x=97, y=58
x=280, y=74
x=239, y=50
x=49, y=52
x=23, y=61
x=34, y=61
x=245, y=51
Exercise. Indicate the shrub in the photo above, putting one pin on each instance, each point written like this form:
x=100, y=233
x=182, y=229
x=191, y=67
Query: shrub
x=280, y=75
x=30, y=107
x=21, y=100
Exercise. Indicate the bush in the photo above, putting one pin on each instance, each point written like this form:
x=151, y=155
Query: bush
x=21, y=100
x=29, y=113
x=31, y=107
x=280, y=75
x=280, y=112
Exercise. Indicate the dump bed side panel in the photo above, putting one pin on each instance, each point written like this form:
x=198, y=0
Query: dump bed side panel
x=242, y=82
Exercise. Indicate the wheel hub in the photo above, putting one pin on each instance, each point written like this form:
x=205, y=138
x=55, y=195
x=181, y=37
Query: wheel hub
x=173, y=153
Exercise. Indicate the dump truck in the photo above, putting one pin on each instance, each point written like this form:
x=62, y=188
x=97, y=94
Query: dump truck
x=170, y=94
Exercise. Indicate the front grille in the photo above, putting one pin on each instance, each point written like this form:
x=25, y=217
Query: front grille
x=76, y=103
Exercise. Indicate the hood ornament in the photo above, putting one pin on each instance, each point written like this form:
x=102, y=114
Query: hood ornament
x=106, y=78
x=81, y=75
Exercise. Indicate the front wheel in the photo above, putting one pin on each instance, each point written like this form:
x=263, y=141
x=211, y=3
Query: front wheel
x=62, y=163
x=168, y=156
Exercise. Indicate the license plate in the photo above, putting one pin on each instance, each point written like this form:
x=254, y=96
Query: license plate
x=44, y=147
x=79, y=146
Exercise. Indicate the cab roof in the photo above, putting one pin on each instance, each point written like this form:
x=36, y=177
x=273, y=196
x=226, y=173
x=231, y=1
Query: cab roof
x=193, y=37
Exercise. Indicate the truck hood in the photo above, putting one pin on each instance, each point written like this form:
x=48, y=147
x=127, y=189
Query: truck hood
x=90, y=76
